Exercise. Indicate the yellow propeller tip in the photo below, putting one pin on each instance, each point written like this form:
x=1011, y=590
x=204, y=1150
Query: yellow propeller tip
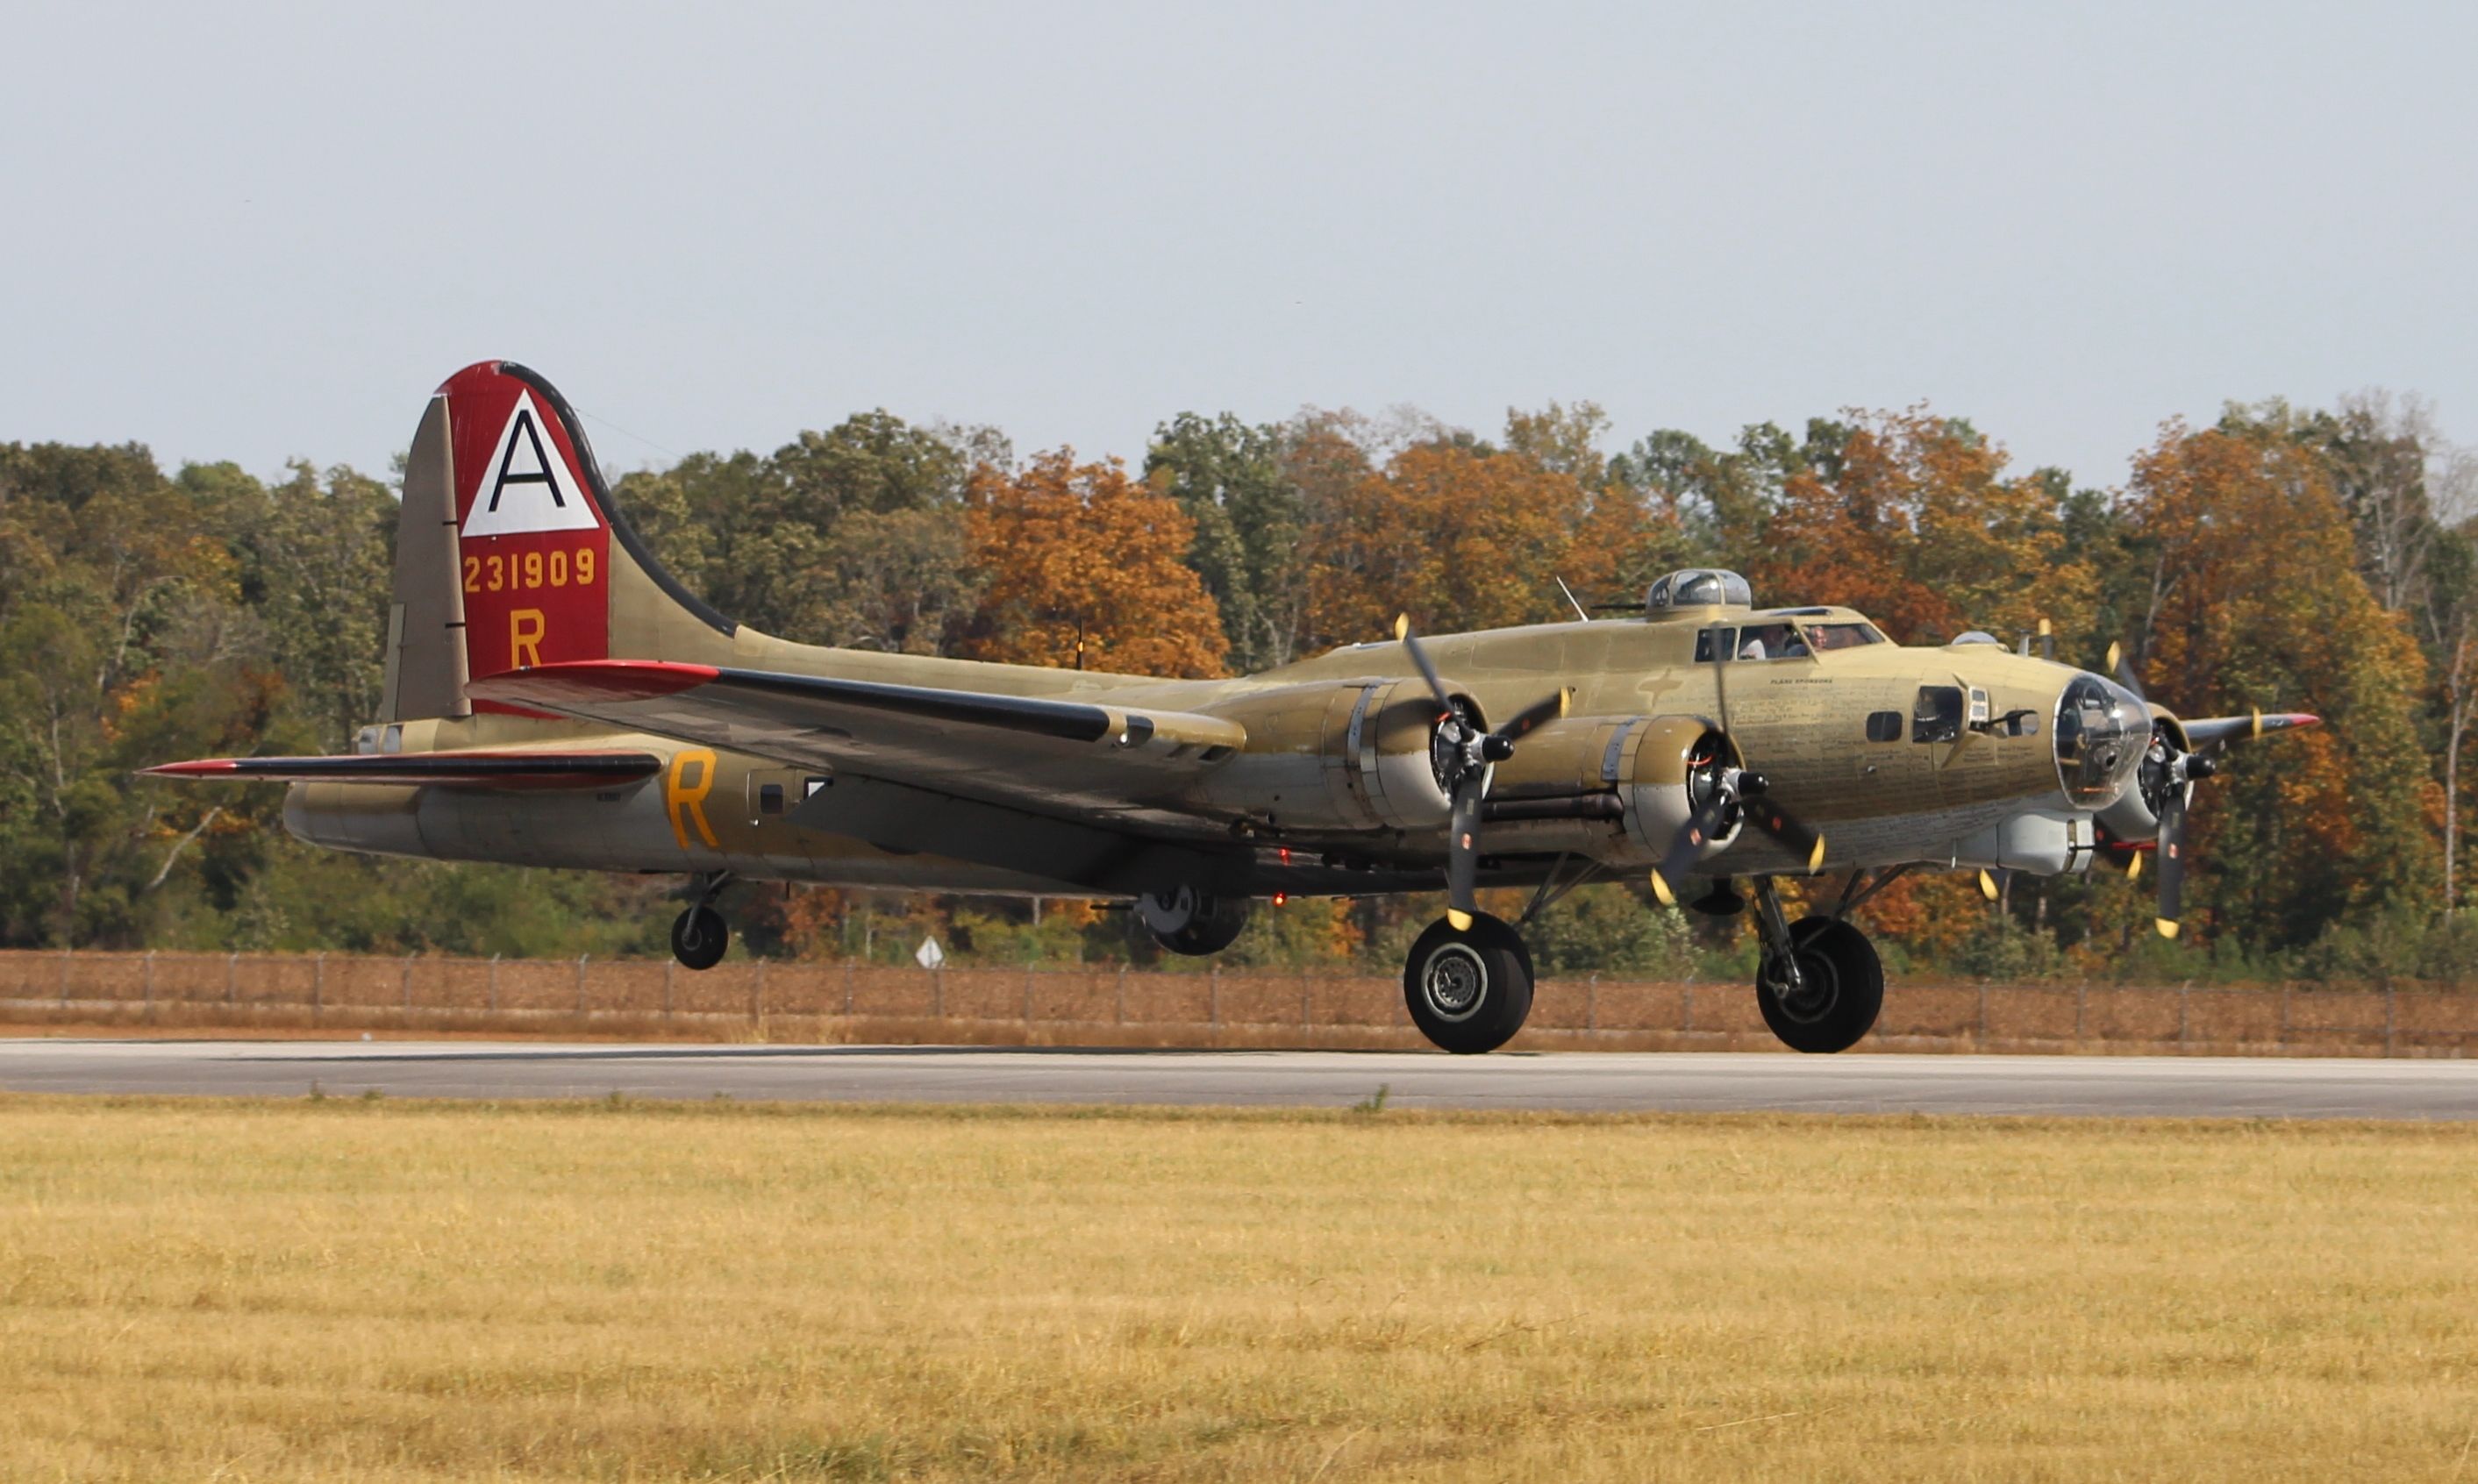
x=2114, y=653
x=2044, y=628
x=2133, y=867
x=2167, y=926
x=1660, y=888
x=1815, y=857
x=1988, y=886
x=1461, y=920
x=1402, y=626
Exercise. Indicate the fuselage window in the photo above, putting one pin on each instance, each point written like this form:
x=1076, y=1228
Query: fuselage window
x=1938, y=716
x=1884, y=726
x=1706, y=641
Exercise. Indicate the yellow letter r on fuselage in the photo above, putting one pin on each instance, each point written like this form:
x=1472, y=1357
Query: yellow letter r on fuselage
x=684, y=795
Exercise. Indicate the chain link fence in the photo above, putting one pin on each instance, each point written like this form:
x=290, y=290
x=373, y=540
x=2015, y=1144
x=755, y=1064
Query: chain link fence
x=1056, y=1004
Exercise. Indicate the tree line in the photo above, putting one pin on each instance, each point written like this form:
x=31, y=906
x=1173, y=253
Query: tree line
x=2286, y=558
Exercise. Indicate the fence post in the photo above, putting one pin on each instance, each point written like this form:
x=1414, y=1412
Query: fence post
x=2392, y=1015
x=1213, y=999
x=232, y=977
x=2181, y=1013
x=494, y=984
x=1307, y=1002
x=1027, y=995
x=938, y=993
x=2082, y=1001
x=1592, y=1004
x=150, y=983
x=318, y=986
x=1983, y=1015
x=1688, y=1028
x=757, y=995
x=1118, y=1016
x=2284, y=1012
x=408, y=984
x=580, y=985
x=668, y=965
x=847, y=989
x=64, y=978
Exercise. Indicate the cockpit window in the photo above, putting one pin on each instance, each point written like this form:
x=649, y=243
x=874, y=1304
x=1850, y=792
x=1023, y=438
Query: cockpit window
x=1842, y=636
x=1937, y=718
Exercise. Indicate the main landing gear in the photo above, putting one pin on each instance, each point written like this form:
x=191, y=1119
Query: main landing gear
x=1820, y=984
x=700, y=935
x=1820, y=987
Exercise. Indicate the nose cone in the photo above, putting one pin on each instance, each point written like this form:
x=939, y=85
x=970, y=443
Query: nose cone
x=2102, y=729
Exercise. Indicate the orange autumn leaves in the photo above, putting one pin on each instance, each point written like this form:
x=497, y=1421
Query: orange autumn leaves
x=1080, y=553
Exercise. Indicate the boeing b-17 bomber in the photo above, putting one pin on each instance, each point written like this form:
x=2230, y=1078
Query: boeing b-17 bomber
x=554, y=697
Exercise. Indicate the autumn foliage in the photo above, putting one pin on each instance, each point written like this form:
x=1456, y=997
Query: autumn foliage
x=1085, y=569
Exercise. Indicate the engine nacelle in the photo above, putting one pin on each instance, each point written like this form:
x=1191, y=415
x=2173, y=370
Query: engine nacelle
x=1653, y=770
x=1344, y=758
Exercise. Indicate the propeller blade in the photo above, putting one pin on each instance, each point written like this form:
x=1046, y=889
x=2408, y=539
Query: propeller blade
x=1688, y=843
x=1660, y=888
x=1987, y=885
x=1462, y=852
x=2172, y=861
x=1787, y=828
x=1420, y=658
x=2134, y=867
x=2217, y=732
x=2125, y=674
x=1549, y=707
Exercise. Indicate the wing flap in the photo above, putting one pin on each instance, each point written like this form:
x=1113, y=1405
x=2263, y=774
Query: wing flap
x=464, y=769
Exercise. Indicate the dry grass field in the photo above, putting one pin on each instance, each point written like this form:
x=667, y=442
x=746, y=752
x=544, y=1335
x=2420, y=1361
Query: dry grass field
x=346, y=1289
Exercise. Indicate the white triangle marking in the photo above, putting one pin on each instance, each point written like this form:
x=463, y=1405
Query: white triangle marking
x=526, y=486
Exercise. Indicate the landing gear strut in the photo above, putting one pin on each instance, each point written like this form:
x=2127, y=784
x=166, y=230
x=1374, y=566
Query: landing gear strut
x=1820, y=985
x=700, y=935
x=1469, y=988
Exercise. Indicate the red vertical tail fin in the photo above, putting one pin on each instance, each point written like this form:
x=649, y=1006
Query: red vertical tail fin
x=513, y=554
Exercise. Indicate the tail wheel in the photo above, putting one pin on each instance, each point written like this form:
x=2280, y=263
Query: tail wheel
x=1469, y=990
x=699, y=937
x=1841, y=989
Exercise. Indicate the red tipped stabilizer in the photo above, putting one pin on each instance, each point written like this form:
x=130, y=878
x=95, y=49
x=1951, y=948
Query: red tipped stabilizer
x=444, y=769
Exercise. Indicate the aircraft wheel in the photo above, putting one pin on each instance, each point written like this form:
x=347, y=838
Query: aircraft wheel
x=1841, y=988
x=1193, y=923
x=1468, y=991
x=699, y=937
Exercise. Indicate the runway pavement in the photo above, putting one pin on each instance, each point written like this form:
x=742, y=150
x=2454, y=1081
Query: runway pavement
x=1609, y=1082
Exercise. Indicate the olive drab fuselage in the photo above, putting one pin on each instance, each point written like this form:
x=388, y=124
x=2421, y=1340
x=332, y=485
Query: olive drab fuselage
x=1947, y=756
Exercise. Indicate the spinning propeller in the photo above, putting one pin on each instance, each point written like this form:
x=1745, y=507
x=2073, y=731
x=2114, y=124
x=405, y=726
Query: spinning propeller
x=1730, y=794
x=1462, y=753
x=2170, y=768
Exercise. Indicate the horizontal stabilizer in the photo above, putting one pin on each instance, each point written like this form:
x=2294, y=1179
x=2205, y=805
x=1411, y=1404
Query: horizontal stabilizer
x=446, y=769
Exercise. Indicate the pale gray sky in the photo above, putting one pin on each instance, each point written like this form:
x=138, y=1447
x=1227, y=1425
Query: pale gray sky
x=254, y=232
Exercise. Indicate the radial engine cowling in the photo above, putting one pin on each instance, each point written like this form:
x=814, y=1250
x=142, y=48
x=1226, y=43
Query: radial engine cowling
x=1335, y=758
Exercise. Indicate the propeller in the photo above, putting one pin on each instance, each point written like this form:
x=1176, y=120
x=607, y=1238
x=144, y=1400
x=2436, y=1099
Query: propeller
x=1462, y=753
x=1730, y=794
x=2169, y=770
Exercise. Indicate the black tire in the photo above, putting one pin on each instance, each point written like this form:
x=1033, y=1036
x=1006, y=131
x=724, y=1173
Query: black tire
x=698, y=937
x=1842, y=989
x=1215, y=926
x=1468, y=991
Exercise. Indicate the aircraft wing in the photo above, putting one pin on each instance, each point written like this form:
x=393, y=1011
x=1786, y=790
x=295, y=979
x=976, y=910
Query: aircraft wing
x=466, y=769
x=1051, y=755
